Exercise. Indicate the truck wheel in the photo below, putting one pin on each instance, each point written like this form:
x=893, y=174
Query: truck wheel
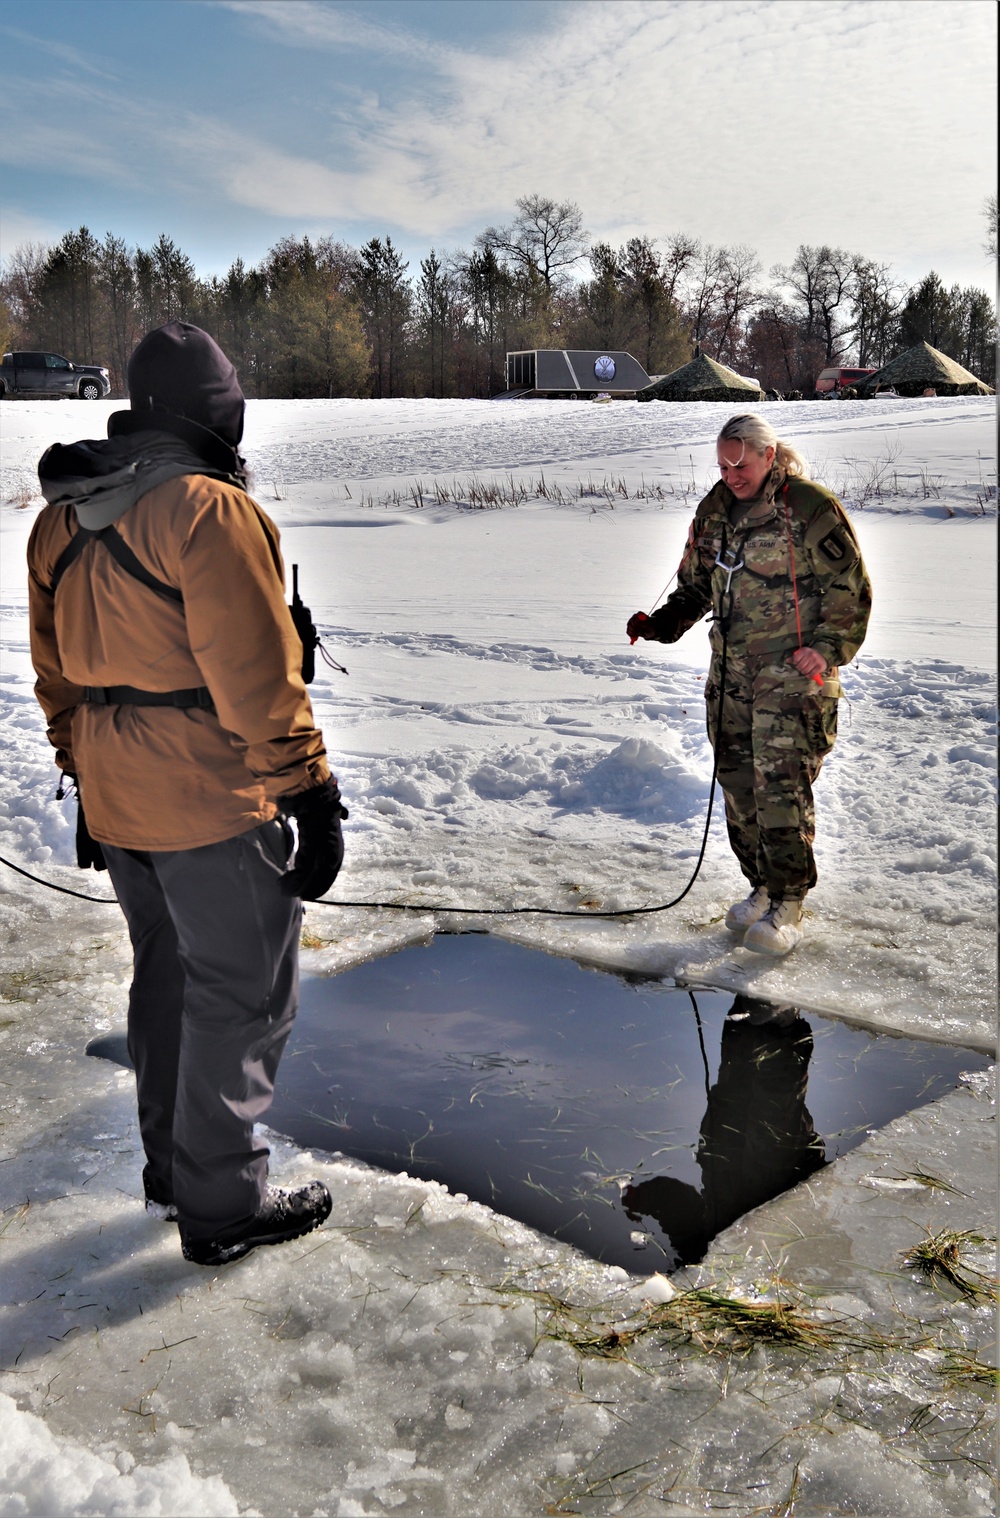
x=90, y=390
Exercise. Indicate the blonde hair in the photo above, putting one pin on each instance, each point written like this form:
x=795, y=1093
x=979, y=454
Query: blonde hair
x=759, y=435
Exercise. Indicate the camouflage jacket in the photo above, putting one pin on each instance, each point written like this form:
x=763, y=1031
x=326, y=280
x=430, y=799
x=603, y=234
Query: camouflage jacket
x=795, y=527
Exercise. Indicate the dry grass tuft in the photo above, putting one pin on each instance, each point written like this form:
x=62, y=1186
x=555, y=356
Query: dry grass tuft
x=939, y=1259
x=492, y=494
x=23, y=492
x=715, y=1322
x=720, y=1324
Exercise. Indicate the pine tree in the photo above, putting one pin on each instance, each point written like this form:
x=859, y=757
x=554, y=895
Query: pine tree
x=434, y=312
x=66, y=296
x=385, y=301
x=116, y=280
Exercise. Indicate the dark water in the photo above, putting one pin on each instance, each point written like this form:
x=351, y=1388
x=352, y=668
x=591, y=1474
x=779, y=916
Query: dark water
x=592, y=1106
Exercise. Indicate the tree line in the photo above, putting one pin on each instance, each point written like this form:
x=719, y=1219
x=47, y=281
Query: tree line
x=322, y=318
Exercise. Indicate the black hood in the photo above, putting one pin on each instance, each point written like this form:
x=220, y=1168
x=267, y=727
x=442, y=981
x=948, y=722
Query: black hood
x=179, y=371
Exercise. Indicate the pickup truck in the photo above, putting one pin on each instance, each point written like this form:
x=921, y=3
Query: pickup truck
x=51, y=374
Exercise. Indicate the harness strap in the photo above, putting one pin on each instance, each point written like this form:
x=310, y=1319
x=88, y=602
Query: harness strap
x=121, y=552
x=74, y=548
x=130, y=695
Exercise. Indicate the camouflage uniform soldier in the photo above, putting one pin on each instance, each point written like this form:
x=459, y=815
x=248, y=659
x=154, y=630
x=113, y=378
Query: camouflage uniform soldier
x=775, y=559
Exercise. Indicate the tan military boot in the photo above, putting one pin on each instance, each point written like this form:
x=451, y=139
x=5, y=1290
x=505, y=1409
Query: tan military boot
x=779, y=930
x=743, y=914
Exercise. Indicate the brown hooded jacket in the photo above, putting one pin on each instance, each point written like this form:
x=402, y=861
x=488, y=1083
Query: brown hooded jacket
x=163, y=778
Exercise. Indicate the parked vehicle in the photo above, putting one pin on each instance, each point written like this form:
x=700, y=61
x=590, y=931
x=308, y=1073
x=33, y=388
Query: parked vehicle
x=832, y=381
x=51, y=374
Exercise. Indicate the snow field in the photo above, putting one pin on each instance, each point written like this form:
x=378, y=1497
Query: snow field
x=499, y=743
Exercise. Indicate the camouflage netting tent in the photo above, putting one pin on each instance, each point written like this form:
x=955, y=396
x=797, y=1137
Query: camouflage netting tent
x=701, y=380
x=920, y=368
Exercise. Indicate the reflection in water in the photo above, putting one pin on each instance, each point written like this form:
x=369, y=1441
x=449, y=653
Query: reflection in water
x=757, y=1138
x=550, y=1091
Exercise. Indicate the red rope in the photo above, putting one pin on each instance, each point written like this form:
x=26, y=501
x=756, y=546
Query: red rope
x=795, y=589
x=686, y=555
x=791, y=565
x=688, y=551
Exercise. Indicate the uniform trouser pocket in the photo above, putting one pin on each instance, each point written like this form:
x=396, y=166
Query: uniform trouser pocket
x=794, y=729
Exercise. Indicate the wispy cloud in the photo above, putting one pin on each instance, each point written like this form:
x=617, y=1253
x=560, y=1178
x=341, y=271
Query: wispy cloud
x=748, y=121
x=766, y=122
x=73, y=57
x=85, y=137
x=306, y=23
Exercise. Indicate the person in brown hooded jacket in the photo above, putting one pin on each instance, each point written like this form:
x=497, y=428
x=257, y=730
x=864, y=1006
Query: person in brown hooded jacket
x=169, y=671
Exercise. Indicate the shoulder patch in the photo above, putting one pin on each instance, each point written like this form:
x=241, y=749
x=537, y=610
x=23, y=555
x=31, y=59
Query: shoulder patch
x=833, y=547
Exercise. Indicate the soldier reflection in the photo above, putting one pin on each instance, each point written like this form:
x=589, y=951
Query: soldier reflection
x=757, y=1137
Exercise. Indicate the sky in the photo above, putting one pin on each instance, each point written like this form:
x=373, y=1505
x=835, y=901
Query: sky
x=228, y=124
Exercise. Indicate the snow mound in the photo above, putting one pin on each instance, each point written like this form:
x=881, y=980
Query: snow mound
x=40, y=1474
x=639, y=778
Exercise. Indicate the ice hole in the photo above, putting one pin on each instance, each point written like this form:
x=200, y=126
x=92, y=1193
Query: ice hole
x=630, y=1117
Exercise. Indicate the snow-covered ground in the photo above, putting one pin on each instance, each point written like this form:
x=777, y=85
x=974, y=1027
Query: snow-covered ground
x=501, y=744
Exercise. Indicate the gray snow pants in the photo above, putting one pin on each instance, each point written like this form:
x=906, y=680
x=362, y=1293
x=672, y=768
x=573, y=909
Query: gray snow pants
x=214, y=994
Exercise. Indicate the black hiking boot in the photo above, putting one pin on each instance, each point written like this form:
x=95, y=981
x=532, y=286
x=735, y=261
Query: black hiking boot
x=159, y=1203
x=283, y=1215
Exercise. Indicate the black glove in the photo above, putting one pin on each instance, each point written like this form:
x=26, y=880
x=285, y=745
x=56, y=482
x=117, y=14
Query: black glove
x=639, y=625
x=320, y=853
x=89, y=854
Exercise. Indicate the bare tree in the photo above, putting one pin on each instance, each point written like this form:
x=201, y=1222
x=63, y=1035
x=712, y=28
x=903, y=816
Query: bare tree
x=990, y=214
x=737, y=295
x=339, y=262
x=680, y=256
x=706, y=273
x=19, y=286
x=820, y=279
x=778, y=351
x=546, y=236
x=837, y=269
x=875, y=301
